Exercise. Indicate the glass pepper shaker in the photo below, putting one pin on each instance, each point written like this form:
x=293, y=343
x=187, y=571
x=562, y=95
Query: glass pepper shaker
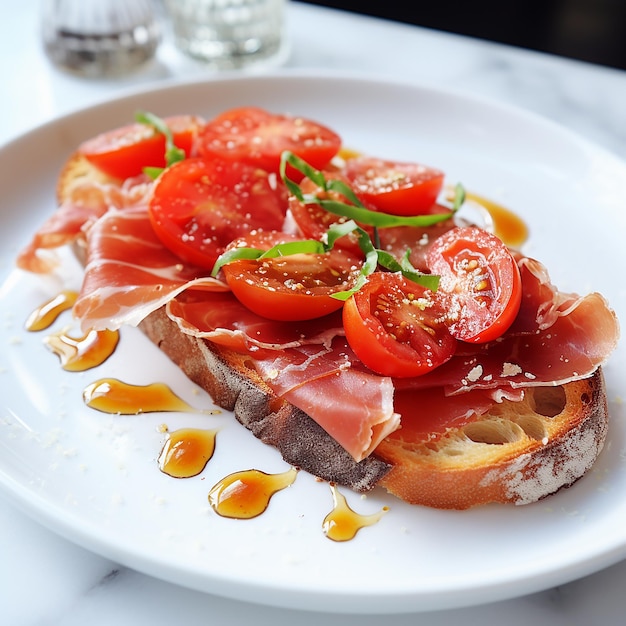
x=98, y=38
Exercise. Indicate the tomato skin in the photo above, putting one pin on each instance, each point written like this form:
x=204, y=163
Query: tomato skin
x=289, y=288
x=198, y=206
x=397, y=239
x=395, y=187
x=256, y=136
x=313, y=221
x=480, y=283
x=394, y=327
x=125, y=151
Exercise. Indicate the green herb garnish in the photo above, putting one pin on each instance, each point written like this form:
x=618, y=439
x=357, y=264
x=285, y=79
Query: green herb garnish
x=173, y=153
x=373, y=257
x=352, y=209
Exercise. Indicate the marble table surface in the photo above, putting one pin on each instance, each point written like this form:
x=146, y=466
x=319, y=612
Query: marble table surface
x=46, y=580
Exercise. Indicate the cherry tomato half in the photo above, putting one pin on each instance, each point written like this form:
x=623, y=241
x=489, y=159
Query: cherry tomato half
x=313, y=221
x=124, y=152
x=258, y=137
x=395, y=187
x=199, y=206
x=418, y=239
x=394, y=326
x=289, y=288
x=480, y=283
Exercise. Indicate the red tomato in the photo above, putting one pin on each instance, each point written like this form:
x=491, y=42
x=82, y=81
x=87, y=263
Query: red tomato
x=394, y=326
x=125, y=151
x=293, y=287
x=290, y=288
x=480, y=283
x=394, y=187
x=199, y=206
x=418, y=239
x=255, y=136
x=313, y=221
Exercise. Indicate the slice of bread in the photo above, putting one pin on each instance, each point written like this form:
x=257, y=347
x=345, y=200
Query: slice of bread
x=518, y=453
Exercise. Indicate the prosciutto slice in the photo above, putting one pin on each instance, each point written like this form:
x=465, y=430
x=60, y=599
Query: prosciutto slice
x=556, y=338
x=353, y=405
x=83, y=203
x=129, y=273
x=222, y=319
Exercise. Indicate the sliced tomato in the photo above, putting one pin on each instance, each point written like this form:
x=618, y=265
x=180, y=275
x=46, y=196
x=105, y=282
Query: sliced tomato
x=313, y=221
x=290, y=288
x=395, y=187
x=398, y=239
x=480, y=283
x=258, y=137
x=394, y=326
x=124, y=152
x=199, y=206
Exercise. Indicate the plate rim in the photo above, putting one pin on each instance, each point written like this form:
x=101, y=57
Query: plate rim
x=54, y=522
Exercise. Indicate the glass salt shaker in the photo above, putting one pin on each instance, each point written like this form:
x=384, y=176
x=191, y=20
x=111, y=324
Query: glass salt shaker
x=98, y=38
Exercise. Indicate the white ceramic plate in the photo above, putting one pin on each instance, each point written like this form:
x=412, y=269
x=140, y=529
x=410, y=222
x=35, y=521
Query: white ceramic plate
x=93, y=478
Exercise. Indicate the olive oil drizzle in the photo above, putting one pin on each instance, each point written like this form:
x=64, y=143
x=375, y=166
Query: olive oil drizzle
x=508, y=226
x=247, y=494
x=186, y=452
x=343, y=523
x=78, y=354
x=110, y=395
x=46, y=314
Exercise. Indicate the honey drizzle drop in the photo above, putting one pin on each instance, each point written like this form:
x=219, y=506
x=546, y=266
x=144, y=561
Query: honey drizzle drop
x=45, y=315
x=342, y=523
x=186, y=452
x=78, y=354
x=110, y=395
x=508, y=226
x=247, y=494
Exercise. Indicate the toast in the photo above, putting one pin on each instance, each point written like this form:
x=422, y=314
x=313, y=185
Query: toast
x=518, y=452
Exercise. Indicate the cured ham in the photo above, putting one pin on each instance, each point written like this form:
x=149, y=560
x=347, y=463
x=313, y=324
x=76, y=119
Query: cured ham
x=354, y=406
x=556, y=338
x=129, y=273
x=82, y=204
x=223, y=320
x=310, y=364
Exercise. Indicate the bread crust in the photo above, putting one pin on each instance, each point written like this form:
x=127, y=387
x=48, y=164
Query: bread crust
x=519, y=453
x=516, y=454
x=75, y=171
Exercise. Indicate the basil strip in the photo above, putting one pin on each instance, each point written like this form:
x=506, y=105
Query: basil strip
x=173, y=153
x=373, y=257
x=355, y=209
x=355, y=212
x=306, y=246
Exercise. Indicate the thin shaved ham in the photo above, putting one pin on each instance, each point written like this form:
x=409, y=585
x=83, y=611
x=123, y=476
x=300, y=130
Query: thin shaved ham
x=222, y=319
x=542, y=303
x=428, y=413
x=353, y=406
x=129, y=273
x=83, y=203
x=573, y=347
x=357, y=420
x=63, y=227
